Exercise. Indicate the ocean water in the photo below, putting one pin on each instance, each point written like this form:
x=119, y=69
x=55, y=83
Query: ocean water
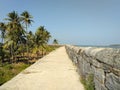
x=110, y=46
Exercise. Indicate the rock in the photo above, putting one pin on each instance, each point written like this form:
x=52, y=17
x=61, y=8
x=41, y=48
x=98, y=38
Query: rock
x=92, y=51
x=87, y=67
x=112, y=82
x=99, y=86
x=99, y=75
x=109, y=56
x=103, y=63
x=96, y=63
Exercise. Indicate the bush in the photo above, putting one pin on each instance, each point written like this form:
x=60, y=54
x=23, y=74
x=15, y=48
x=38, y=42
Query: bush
x=8, y=71
x=88, y=82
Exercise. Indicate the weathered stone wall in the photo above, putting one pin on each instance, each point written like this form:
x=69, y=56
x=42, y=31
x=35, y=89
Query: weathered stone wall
x=103, y=63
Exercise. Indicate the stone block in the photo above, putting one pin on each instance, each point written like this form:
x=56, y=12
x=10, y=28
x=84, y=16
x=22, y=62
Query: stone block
x=104, y=63
x=92, y=51
x=87, y=67
x=99, y=75
x=96, y=63
x=116, y=63
x=106, y=68
x=112, y=82
x=109, y=56
x=116, y=71
x=99, y=86
x=75, y=60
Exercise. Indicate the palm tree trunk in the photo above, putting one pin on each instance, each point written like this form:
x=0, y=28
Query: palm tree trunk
x=12, y=53
x=42, y=50
x=2, y=54
x=27, y=42
x=2, y=49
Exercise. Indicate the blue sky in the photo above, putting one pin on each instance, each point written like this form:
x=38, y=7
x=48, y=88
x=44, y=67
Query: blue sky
x=81, y=22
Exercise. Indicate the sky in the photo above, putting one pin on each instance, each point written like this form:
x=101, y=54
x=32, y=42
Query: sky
x=77, y=22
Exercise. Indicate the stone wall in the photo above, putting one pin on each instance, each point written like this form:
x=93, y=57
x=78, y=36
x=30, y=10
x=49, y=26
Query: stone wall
x=103, y=63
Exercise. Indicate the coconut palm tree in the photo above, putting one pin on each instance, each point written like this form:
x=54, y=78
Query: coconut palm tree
x=42, y=37
x=31, y=39
x=27, y=20
x=55, y=41
x=15, y=31
x=46, y=36
x=2, y=29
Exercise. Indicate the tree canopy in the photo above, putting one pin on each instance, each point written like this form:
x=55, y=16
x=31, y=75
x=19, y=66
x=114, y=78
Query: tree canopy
x=16, y=37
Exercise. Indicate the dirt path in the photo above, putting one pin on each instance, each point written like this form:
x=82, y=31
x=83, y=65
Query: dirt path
x=53, y=72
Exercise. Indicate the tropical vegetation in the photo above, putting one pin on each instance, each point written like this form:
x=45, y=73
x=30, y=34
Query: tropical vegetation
x=55, y=41
x=18, y=42
x=20, y=47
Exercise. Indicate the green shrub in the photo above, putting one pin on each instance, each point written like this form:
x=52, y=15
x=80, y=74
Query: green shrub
x=8, y=71
x=88, y=82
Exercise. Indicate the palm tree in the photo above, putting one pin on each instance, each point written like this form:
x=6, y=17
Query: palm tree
x=15, y=31
x=46, y=36
x=27, y=20
x=55, y=41
x=2, y=29
x=31, y=39
x=42, y=37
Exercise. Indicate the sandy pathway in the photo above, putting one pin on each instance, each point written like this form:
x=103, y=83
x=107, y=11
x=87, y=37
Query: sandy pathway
x=53, y=72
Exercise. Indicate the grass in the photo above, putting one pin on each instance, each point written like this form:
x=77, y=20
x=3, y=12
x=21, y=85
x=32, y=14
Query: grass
x=88, y=82
x=8, y=71
x=52, y=47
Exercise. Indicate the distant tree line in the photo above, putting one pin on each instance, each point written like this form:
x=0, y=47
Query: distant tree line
x=17, y=41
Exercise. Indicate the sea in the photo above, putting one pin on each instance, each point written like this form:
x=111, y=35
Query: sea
x=100, y=46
